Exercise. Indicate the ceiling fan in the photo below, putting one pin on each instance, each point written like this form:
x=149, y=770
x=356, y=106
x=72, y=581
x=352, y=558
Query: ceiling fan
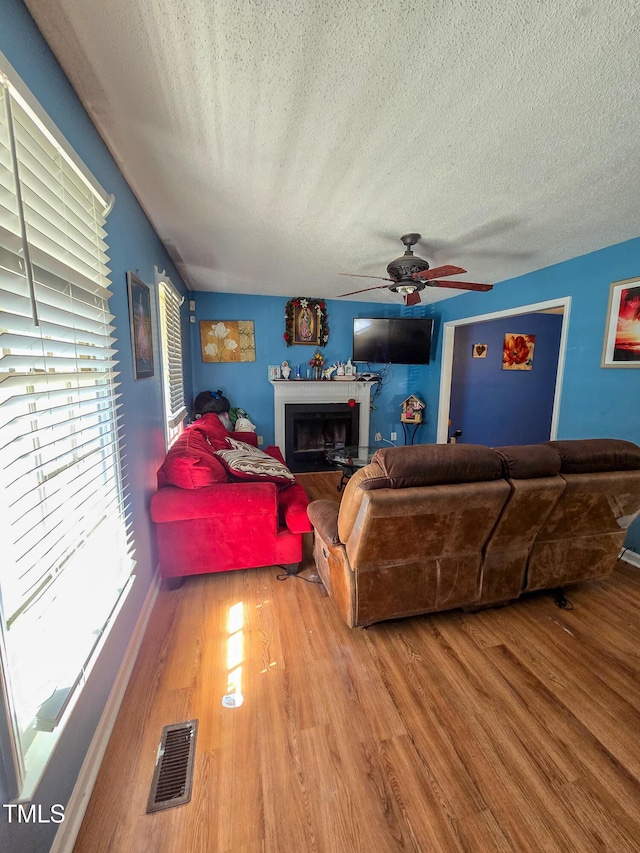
x=410, y=274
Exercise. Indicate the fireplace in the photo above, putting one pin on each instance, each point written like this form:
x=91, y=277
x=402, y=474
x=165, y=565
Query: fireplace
x=323, y=394
x=313, y=428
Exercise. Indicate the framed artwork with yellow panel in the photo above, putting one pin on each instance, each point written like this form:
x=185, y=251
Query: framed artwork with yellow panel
x=227, y=341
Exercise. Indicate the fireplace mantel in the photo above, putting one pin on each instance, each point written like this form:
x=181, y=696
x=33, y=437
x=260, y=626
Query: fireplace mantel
x=320, y=391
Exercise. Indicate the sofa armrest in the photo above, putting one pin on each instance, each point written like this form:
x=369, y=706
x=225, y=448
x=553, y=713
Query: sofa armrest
x=293, y=502
x=324, y=517
x=222, y=499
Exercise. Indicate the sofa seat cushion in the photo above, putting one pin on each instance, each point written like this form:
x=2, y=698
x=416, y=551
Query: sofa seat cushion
x=191, y=462
x=245, y=462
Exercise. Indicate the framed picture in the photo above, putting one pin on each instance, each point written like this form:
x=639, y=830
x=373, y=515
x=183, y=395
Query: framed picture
x=480, y=350
x=141, y=328
x=305, y=322
x=517, y=352
x=227, y=341
x=622, y=331
x=274, y=371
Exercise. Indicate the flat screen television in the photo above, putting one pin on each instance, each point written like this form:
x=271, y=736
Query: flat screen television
x=392, y=340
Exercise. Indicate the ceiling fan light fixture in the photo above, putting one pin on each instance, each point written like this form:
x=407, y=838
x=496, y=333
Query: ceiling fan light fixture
x=405, y=289
x=405, y=266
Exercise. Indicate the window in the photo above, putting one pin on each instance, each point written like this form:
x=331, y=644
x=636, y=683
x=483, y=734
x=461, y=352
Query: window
x=170, y=302
x=66, y=550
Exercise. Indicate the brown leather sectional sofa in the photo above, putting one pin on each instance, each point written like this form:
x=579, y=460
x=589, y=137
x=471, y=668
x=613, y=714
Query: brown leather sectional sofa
x=434, y=527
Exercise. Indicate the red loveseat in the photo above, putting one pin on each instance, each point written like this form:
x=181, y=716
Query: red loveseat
x=210, y=520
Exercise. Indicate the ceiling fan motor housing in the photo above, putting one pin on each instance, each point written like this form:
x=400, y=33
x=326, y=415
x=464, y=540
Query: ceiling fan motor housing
x=402, y=269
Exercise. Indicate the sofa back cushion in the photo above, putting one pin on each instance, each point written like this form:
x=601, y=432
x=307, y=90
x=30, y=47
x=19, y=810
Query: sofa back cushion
x=583, y=534
x=434, y=465
x=414, y=467
x=191, y=462
x=589, y=455
x=211, y=426
x=529, y=461
x=533, y=474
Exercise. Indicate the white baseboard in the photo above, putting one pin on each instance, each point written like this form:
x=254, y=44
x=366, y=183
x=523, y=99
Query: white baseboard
x=631, y=557
x=76, y=807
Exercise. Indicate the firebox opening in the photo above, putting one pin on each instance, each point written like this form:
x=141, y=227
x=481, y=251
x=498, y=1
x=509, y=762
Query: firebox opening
x=311, y=429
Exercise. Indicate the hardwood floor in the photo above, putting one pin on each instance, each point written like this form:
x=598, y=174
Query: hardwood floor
x=513, y=729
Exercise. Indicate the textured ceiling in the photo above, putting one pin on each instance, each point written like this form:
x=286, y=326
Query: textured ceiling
x=276, y=143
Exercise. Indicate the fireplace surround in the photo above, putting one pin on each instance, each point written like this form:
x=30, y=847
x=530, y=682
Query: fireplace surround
x=295, y=392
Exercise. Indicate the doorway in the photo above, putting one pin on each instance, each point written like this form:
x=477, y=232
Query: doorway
x=503, y=411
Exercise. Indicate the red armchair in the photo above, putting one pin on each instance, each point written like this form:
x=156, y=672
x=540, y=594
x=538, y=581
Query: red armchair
x=208, y=522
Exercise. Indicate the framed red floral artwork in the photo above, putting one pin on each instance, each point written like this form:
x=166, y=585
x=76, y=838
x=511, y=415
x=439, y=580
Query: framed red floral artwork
x=517, y=352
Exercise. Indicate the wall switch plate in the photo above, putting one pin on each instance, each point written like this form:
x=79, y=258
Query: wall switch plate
x=260, y=440
x=378, y=437
x=192, y=319
x=394, y=436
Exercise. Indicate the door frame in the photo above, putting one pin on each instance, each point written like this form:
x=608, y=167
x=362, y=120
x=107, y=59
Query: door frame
x=448, y=343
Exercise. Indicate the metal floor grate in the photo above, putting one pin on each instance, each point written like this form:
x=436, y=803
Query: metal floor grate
x=173, y=776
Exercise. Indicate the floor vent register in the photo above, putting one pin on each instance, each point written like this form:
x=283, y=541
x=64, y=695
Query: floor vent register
x=173, y=776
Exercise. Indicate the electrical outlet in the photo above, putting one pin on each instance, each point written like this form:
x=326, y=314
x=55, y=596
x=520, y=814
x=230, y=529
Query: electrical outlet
x=378, y=436
x=260, y=440
x=394, y=436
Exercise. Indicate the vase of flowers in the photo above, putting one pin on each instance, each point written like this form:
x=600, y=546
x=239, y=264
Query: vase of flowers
x=317, y=363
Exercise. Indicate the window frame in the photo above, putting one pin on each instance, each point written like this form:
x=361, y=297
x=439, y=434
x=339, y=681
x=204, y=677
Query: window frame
x=96, y=392
x=169, y=302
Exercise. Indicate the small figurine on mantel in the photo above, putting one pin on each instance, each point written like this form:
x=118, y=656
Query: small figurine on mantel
x=412, y=409
x=327, y=371
x=286, y=370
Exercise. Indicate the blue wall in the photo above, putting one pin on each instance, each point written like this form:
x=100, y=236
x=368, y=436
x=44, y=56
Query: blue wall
x=495, y=406
x=596, y=402
x=246, y=384
x=133, y=246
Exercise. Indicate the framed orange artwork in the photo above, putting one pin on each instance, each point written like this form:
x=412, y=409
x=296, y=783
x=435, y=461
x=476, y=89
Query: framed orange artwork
x=517, y=352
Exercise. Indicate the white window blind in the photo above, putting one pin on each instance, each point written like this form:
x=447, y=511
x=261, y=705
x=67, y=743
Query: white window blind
x=171, y=333
x=66, y=549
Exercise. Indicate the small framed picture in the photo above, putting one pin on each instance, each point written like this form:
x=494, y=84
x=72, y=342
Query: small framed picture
x=480, y=350
x=274, y=372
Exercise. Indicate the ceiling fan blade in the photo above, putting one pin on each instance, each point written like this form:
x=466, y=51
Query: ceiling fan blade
x=438, y=272
x=381, y=277
x=412, y=298
x=461, y=285
x=353, y=292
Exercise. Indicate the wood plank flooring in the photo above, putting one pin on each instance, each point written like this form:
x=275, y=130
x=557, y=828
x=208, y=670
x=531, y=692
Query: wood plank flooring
x=513, y=729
